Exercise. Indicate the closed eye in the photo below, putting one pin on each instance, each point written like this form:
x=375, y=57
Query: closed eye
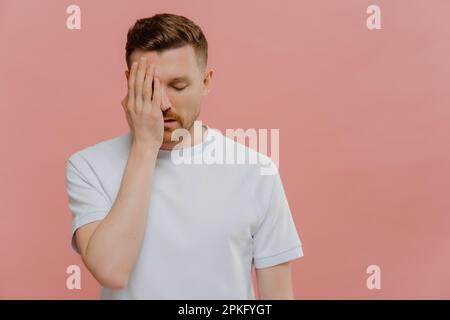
x=179, y=89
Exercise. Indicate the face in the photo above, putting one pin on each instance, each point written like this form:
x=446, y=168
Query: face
x=183, y=82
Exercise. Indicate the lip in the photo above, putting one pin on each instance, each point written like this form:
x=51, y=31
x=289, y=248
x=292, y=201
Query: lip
x=170, y=123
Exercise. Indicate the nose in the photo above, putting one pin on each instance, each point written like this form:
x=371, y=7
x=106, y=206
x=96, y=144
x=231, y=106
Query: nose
x=165, y=102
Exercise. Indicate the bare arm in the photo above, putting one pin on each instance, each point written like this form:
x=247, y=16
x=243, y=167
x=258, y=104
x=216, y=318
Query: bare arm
x=275, y=283
x=109, y=248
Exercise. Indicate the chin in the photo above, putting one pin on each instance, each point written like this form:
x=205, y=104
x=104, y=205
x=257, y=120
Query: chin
x=168, y=137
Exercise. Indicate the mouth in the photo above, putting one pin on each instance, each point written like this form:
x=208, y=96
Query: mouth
x=170, y=123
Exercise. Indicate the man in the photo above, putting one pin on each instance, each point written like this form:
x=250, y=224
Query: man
x=149, y=227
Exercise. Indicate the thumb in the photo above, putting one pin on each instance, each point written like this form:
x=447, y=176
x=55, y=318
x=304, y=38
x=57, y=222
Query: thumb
x=124, y=103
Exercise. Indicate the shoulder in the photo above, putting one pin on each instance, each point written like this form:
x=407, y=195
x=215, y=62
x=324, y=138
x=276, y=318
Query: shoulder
x=104, y=151
x=257, y=172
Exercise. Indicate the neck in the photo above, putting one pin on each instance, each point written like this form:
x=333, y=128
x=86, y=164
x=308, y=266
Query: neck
x=195, y=135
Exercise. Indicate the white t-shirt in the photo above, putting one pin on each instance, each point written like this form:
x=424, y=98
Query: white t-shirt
x=208, y=223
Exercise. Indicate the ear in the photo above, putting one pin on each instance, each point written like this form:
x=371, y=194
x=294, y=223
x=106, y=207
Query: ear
x=207, y=78
x=127, y=74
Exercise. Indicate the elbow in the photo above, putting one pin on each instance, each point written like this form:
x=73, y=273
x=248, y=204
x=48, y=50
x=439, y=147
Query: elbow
x=112, y=279
x=114, y=282
x=108, y=274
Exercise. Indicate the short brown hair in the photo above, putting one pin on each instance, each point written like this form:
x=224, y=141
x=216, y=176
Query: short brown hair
x=166, y=31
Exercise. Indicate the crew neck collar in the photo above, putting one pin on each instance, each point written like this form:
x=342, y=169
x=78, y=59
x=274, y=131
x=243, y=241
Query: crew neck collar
x=188, y=151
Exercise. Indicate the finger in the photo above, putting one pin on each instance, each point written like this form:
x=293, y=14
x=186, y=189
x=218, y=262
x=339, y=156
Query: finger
x=126, y=105
x=148, y=86
x=132, y=75
x=157, y=94
x=131, y=86
x=140, y=83
x=125, y=109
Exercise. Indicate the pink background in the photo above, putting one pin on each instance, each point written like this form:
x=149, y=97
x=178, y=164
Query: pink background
x=363, y=118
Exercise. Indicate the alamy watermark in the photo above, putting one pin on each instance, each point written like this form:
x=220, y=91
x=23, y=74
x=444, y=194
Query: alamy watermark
x=374, y=280
x=225, y=151
x=73, y=281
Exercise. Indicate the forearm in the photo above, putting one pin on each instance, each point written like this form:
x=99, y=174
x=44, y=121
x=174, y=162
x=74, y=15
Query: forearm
x=275, y=283
x=114, y=246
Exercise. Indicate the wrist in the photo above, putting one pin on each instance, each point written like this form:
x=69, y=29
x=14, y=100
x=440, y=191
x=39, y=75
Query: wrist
x=144, y=149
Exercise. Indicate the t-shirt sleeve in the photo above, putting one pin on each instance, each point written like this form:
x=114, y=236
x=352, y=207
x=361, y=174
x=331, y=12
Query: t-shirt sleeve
x=276, y=239
x=86, y=199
